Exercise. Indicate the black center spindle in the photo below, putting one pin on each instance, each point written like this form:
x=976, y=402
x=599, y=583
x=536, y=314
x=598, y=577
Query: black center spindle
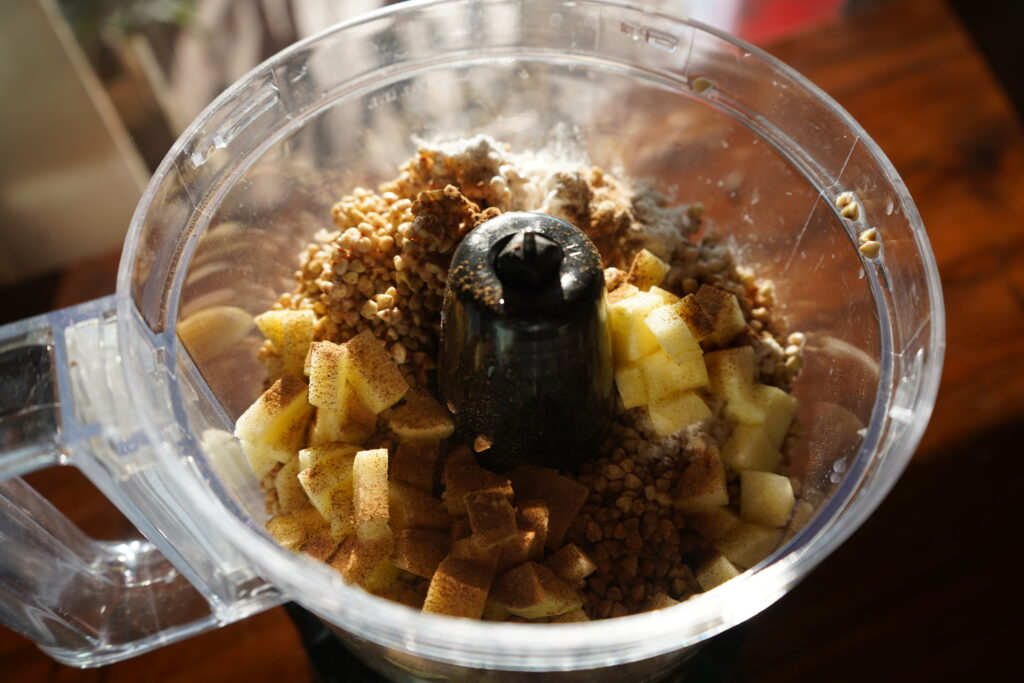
x=525, y=357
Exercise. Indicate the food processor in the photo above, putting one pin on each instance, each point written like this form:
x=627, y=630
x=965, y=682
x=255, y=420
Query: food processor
x=140, y=390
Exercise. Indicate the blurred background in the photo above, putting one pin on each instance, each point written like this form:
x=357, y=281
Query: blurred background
x=96, y=91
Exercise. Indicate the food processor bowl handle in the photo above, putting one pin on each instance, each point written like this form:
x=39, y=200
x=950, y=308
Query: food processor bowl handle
x=88, y=602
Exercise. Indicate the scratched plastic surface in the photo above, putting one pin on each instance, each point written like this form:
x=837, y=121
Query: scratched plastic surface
x=653, y=98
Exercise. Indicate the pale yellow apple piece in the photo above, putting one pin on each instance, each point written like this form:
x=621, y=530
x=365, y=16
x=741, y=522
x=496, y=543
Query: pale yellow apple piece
x=329, y=426
x=749, y=448
x=630, y=383
x=631, y=338
x=731, y=373
x=667, y=297
x=367, y=564
x=290, y=494
x=701, y=486
x=411, y=508
x=373, y=373
x=646, y=271
x=328, y=482
x=563, y=496
x=491, y=517
x=570, y=563
x=314, y=454
x=460, y=479
x=700, y=323
x=765, y=498
x=370, y=488
x=672, y=333
x=327, y=374
x=458, y=588
x=663, y=377
x=716, y=571
x=714, y=523
x=291, y=333
x=748, y=544
x=533, y=591
x=292, y=529
x=416, y=463
x=725, y=312
x=672, y=413
x=420, y=416
x=779, y=410
x=272, y=428
x=420, y=551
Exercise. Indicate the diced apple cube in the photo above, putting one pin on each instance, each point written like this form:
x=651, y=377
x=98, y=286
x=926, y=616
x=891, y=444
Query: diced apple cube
x=290, y=495
x=533, y=591
x=563, y=496
x=370, y=488
x=714, y=523
x=458, y=588
x=328, y=481
x=420, y=416
x=320, y=545
x=420, y=551
x=630, y=382
x=621, y=292
x=570, y=563
x=327, y=373
x=715, y=572
x=373, y=373
x=779, y=410
x=328, y=426
x=724, y=310
x=491, y=517
x=291, y=333
x=667, y=297
x=748, y=544
x=646, y=270
x=663, y=377
x=460, y=479
x=417, y=463
x=291, y=529
x=367, y=563
x=672, y=333
x=748, y=448
x=274, y=426
x=411, y=508
x=765, y=498
x=701, y=486
x=700, y=323
x=670, y=414
x=631, y=338
x=526, y=545
x=731, y=372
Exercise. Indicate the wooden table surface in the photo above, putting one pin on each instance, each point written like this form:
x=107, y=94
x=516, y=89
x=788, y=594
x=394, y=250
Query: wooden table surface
x=928, y=589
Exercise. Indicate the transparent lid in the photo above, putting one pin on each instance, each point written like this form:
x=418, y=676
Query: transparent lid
x=701, y=116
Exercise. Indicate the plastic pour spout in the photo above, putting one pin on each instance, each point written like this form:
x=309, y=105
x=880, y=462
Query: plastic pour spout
x=525, y=357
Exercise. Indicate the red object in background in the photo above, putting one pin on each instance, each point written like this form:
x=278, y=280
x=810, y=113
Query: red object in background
x=762, y=21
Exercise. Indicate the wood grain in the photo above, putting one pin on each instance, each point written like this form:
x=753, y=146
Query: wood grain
x=928, y=589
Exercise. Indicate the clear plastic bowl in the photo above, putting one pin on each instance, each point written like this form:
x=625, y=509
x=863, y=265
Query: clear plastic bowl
x=700, y=115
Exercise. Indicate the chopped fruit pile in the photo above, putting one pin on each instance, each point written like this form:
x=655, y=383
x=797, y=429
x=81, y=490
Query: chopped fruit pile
x=362, y=467
x=483, y=548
